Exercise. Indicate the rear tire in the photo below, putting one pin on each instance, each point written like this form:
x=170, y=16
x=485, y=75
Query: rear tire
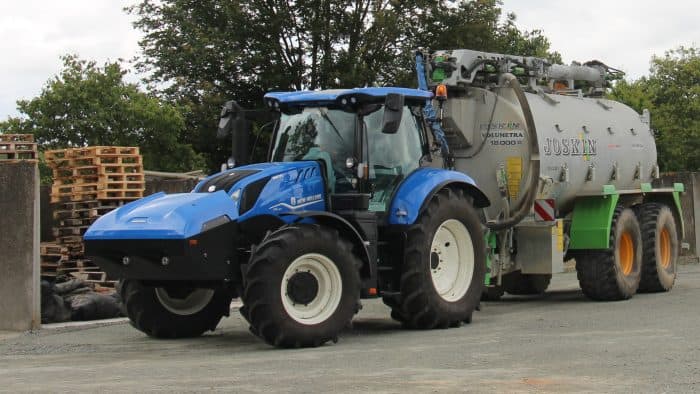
x=660, y=248
x=614, y=274
x=175, y=311
x=517, y=283
x=302, y=286
x=492, y=293
x=445, y=265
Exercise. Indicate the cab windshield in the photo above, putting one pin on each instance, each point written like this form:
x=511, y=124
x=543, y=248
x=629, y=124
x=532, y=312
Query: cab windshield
x=319, y=134
x=330, y=136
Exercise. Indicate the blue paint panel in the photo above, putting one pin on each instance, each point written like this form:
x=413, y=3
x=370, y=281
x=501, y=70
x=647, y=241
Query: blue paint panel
x=162, y=216
x=326, y=96
x=292, y=187
x=295, y=190
x=416, y=188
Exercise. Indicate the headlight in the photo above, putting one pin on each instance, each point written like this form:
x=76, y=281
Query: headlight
x=236, y=195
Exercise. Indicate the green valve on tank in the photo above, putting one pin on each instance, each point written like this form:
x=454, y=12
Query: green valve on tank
x=438, y=75
x=490, y=68
x=518, y=71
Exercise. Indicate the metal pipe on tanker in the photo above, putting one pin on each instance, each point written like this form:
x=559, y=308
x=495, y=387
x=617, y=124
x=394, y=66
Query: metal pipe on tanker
x=578, y=73
x=526, y=203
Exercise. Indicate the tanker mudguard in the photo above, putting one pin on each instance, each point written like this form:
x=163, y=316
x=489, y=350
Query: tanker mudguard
x=420, y=186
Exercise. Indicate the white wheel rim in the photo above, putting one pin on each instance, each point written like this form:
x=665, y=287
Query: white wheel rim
x=453, y=248
x=330, y=289
x=197, y=300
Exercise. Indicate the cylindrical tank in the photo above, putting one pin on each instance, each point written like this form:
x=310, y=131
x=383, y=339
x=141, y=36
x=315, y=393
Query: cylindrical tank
x=584, y=144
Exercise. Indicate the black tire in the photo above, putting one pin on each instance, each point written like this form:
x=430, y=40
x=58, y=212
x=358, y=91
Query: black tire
x=148, y=314
x=660, y=245
x=420, y=305
x=492, y=293
x=265, y=308
x=601, y=274
x=517, y=283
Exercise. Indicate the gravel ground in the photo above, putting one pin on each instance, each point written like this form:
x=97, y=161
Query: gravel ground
x=560, y=342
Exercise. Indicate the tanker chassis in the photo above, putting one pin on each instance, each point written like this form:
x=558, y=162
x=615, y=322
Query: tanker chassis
x=482, y=181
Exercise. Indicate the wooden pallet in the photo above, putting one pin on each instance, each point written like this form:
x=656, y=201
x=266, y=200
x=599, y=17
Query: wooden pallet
x=67, y=231
x=123, y=195
x=13, y=156
x=17, y=137
x=78, y=264
x=82, y=214
x=70, y=179
x=17, y=147
x=90, y=276
x=52, y=249
x=87, y=188
x=91, y=151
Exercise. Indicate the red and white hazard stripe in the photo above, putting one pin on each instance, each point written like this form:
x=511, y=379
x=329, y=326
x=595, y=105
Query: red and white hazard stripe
x=544, y=210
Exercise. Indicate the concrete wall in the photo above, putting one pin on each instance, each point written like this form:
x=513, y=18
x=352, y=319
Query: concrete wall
x=169, y=185
x=19, y=246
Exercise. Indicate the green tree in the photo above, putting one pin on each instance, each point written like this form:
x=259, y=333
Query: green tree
x=672, y=93
x=209, y=51
x=90, y=105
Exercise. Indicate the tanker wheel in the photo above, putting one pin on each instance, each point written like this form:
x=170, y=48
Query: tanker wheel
x=517, y=283
x=302, y=286
x=660, y=248
x=492, y=293
x=614, y=274
x=445, y=264
x=174, y=311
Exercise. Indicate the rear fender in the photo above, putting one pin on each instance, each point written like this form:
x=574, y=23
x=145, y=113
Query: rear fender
x=419, y=188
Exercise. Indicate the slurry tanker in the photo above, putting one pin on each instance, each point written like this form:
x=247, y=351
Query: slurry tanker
x=484, y=180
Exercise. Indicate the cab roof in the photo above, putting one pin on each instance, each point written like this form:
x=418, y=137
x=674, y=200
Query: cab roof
x=323, y=97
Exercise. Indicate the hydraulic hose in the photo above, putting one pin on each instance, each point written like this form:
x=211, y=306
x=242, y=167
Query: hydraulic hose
x=522, y=209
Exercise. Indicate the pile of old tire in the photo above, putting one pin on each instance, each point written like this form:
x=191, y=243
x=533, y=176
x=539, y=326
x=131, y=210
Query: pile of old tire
x=74, y=300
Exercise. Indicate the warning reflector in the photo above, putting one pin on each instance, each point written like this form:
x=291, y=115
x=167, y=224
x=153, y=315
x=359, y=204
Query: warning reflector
x=544, y=210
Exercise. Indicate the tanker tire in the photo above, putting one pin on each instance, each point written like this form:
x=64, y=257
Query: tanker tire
x=492, y=293
x=147, y=313
x=660, y=251
x=268, y=309
x=420, y=305
x=601, y=273
x=517, y=283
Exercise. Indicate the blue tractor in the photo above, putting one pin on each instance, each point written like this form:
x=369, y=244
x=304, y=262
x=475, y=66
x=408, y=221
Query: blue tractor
x=355, y=202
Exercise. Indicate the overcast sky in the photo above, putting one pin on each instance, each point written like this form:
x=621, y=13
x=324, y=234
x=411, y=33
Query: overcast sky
x=624, y=34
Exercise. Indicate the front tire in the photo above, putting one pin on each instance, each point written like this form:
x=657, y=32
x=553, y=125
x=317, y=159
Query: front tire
x=444, y=267
x=174, y=311
x=302, y=286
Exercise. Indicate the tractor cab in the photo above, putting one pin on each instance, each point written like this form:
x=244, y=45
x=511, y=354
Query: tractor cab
x=367, y=140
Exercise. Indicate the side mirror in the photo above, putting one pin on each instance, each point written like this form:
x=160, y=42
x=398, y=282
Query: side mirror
x=232, y=122
x=229, y=113
x=393, y=111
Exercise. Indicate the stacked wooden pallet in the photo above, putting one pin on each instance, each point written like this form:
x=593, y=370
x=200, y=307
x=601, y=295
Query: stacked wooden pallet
x=96, y=173
x=89, y=182
x=16, y=147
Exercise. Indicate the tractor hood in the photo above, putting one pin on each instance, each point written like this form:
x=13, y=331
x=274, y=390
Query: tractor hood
x=268, y=188
x=164, y=216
